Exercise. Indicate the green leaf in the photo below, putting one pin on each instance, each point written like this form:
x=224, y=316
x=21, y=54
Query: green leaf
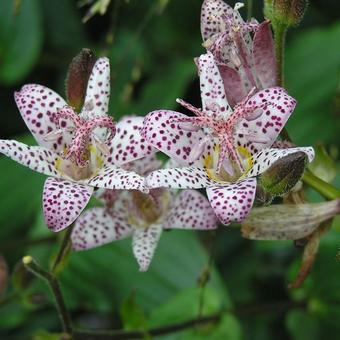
x=23, y=190
x=312, y=72
x=132, y=315
x=184, y=306
x=111, y=271
x=302, y=325
x=20, y=39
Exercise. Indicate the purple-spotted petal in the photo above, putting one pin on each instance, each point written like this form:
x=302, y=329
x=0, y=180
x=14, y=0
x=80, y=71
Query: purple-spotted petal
x=163, y=132
x=233, y=84
x=213, y=96
x=264, y=55
x=37, y=105
x=144, y=243
x=263, y=131
x=128, y=144
x=264, y=159
x=112, y=177
x=232, y=203
x=98, y=89
x=180, y=178
x=211, y=14
x=97, y=226
x=191, y=210
x=36, y=158
x=63, y=202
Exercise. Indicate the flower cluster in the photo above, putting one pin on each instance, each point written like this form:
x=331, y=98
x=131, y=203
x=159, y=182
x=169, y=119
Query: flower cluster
x=222, y=147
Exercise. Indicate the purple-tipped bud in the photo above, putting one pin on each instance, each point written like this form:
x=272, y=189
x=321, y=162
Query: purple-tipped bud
x=77, y=78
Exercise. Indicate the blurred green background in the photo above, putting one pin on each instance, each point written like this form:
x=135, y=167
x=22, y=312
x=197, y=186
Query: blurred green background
x=151, y=44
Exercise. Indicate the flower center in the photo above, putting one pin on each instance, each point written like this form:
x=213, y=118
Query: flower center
x=224, y=128
x=86, y=140
x=147, y=209
x=230, y=170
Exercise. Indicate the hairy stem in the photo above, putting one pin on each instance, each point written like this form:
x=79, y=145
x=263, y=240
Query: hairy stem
x=280, y=41
x=53, y=283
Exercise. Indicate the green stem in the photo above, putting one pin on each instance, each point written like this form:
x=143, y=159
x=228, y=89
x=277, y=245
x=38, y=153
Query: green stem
x=64, y=248
x=325, y=189
x=53, y=283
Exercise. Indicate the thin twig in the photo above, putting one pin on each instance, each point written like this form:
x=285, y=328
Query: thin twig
x=53, y=283
x=278, y=307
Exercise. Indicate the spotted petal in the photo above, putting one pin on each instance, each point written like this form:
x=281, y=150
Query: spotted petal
x=212, y=87
x=264, y=55
x=37, y=104
x=180, y=178
x=264, y=159
x=63, y=201
x=191, y=210
x=165, y=134
x=232, y=203
x=144, y=243
x=128, y=144
x=97, y=226
x=98, y=88
x=34, y=157
x=111, y=177
x=265, y=129
x=211, y=12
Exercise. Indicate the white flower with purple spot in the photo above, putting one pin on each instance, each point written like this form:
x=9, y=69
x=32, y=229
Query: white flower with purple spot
x=221, y=149
x=244, y=62
x=142, y=216
x=79, y=151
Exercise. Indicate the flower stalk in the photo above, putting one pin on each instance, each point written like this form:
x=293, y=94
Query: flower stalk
x=53, y=283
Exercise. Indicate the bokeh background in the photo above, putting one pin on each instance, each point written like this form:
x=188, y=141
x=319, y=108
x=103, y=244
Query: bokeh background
x=151, y=45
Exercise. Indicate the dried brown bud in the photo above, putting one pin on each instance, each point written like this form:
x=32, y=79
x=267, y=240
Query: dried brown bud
x=287, y=221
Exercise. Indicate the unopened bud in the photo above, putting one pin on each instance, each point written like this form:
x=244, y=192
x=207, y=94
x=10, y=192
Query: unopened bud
x=287, y=221
x=78, y=75
x=283, y=175
x=285, y=12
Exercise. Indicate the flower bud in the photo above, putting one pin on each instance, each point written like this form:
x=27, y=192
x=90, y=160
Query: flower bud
x=283, y=175
x=287, y=221
x=77, y=78
x=285, y=12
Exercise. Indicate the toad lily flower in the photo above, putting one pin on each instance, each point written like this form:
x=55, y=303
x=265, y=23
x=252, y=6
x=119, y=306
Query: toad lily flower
x=244, y=63
x=220, y=148
x=79, y=151
x=143, y=216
